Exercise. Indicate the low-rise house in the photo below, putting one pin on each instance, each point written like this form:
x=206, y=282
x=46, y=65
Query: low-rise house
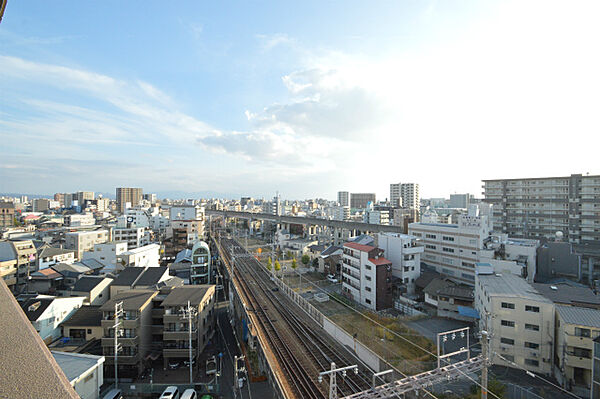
x=145, y=256
x=46, y=313
x=576, y=327
x=330, y=260
x=84, y=324
x=95, y=289
x=84, y=372
x=136, y=337
x=46, y=281
x=456, y=302
x=71, y=273
x=108, y=254
x=50, y=256
x=176, y=327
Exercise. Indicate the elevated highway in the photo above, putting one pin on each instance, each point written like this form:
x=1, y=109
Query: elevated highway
x=309, y=221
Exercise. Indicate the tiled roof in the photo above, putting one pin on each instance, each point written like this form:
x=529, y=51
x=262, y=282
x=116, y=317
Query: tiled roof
x=181, y=295
x=359, y=247
x=380, y=261
x=579, y=316
x=87, y=316
x=567, y=294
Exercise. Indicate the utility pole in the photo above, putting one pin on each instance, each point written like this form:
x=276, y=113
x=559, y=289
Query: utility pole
x=118, y=330
x=236, y=381
x=484, y=370
x=190, y=313
x=332, y=379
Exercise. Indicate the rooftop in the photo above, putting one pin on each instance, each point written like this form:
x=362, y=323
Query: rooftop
x=567, y=294
x=193, y=293
x=511, y=286
x=88, y=283
x=74, y=365
x=86, y=316
x=579, y=316
x=49, y=252
x=34, y=307
x=46, y=274
x=380, y=261
x=359, y=247
x=132, y=300
x=141, y=276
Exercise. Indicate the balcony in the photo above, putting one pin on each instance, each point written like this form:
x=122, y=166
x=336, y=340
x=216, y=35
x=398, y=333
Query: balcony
x=178, y=352
x=577, y=361
x=410, y=263
x=178, y=335
x=413, y=250
x=172, y=318
x=125, y=341
x=354, y=277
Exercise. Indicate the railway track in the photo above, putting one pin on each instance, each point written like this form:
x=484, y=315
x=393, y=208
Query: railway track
x=301, y=346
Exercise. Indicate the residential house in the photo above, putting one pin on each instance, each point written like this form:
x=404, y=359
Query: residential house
x=84, y=372
x=139, y=278
x=84, y=325
x=50, y=256
x=46, y=313
x=95, y=289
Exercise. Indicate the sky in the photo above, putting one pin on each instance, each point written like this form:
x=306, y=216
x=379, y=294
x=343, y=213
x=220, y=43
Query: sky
x=304, y=98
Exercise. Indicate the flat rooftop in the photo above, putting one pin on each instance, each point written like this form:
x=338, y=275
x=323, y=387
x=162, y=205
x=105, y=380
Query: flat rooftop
x=511, y=286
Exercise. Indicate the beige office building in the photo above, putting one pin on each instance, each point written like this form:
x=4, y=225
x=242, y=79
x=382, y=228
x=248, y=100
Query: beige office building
x=130, y=195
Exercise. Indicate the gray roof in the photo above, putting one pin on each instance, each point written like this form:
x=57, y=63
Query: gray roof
x=457, y=292
x=27, y=368
x=140, y=275
x=509, y=285
x=64, y=268
x=74, y=365
x=181, y=295
x=330, y=250
x=568, y=294
x=86, y=316
x=363, y=239
x=49, y=252
x=132, y=300
x=435, y=285
x=87, y=283
x=579, y=316
x=33, y=310
x=7, y=205
x=93, y=264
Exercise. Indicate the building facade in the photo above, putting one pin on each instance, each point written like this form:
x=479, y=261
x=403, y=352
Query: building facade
x=541, y=207
x=343, y=198
x=361, y=200
x=366, y=276
x=405, y=195
x=404, y=251
x=7, y=214
x=128, y=195
x=200, y=267
x=81, y=241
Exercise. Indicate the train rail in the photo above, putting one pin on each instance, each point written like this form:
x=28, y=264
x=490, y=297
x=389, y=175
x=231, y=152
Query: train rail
x=302, y=348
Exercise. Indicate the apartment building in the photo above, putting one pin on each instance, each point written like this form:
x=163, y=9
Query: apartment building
x=459, y=200
x=108, y=254
x=540, y=207
x=8, y=272
x=376, y=216
x=367, y=276
x=343, y=198
x=519, y=321
x=405, y=195
x=404, y=251
x=186, y=212
x=24, y=253
x=576, y=327
x=7, y=214
x=128, y=197
x=176, y=328
x=200, y=267
x=80, y=219
x=146, y=256
x=135, y=326
x=82, y=241
x=134, y=236
x=361, y=200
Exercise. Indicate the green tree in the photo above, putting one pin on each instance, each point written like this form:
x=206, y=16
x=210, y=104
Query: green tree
x=305, y=259
x=269, y=264
x=289, y=254
x=277, y=266
x=294, y=264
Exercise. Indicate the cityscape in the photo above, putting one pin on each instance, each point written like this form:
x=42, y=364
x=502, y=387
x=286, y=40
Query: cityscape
x=174, y=225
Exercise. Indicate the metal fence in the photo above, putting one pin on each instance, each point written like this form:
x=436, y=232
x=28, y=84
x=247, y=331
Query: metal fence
x=514, y=391
x=145, y=390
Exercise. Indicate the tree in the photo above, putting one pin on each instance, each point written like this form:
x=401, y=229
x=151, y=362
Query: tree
x=269, y=264
x=277, y=266
x=294, y=264
x=289, y=254
x=305, y=259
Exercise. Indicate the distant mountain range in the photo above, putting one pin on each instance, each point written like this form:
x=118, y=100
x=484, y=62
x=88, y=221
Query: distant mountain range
x=159, y=194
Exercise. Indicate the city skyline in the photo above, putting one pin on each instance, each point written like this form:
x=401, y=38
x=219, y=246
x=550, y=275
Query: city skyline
x=253, y=101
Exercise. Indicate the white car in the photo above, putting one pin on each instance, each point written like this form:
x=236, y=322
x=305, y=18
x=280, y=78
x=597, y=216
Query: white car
x=170, y=393
x=332, y=278
x=211, y=365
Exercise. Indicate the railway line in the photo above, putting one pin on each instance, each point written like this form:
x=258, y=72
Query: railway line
x=300, y=345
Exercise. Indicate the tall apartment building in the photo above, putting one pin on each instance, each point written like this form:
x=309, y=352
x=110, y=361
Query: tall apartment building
x=519, y=320
x=367, y=276
x=40, y=204
x=540, y=207
x=344, y=198
x=360, y=200
x=24, y=253
x=405, y=195
x=7, y=214
x=459, y=200
x=82, y=196
x=404, y=251
x=82, y=241
x=130, y=195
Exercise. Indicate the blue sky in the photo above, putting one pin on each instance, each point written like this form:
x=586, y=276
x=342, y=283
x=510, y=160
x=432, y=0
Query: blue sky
x=306, y=98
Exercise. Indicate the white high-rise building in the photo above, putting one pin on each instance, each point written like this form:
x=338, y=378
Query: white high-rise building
x=404, y=252
x=344, y=198
x=405, y=195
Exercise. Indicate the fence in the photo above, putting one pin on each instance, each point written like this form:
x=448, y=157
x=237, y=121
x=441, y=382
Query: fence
x=146, y=390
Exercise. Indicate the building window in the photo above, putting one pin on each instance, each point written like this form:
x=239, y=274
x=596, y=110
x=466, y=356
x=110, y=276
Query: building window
x=368, y=278
x=532, y=345
x=582, y=332
x=446, y=238
x=529, y=308
x=451, y=250
x=532, y=327
x=368, y=289
x=430, y=246
x=532, y=362
x=507, y=341
x=507, y=323
x=507, y=305
x=368, y=301
x=432, y=236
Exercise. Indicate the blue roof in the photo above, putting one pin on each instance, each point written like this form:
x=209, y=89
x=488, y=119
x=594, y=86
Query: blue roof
x=468, y=312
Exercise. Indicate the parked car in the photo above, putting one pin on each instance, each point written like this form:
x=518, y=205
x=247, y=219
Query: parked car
x=170, y=392
x=189, y=394
x=332, y=278
x=173, y=365
x=211, y=365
